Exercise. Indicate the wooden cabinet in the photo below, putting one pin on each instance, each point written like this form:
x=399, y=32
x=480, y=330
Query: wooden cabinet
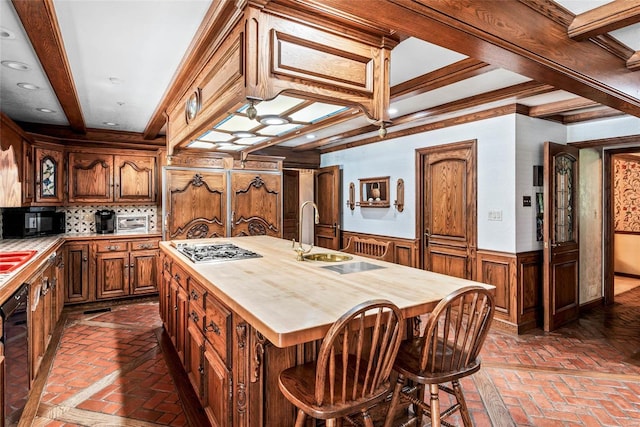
x=125, y=268
x=109, y=178
x=200, y=328
x=196, y=203
x=78, y=273
x=13, y=178
x=28, y=172
x=256, y=204
x=49, y=176
x=39, y=318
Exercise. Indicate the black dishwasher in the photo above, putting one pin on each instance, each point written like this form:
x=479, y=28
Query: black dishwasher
x=16, y=354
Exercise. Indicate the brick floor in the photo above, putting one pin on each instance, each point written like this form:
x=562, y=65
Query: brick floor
x=109, y=371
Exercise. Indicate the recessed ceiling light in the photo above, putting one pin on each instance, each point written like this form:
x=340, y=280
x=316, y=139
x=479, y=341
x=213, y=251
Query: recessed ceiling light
x=28, y=86
x=311, y=136
x=6, y=34
x=15, y=65
x=392, y=110
x=45, y=110
x=243, y=134
x=110, y=123
x=273, y=120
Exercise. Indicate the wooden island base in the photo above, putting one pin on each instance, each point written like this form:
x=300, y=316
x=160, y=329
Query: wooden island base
x=235, y=325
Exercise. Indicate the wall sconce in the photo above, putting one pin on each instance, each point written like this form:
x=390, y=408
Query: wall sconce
x=352, y=196
x=399, y=203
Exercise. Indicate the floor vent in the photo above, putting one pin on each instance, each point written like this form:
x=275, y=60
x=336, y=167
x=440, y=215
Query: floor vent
x=98, y=310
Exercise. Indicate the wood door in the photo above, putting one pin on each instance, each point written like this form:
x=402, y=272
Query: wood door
x=90, y=177
x=134, y=179
x=77, y=281
x=49, y=174
x=144, y=272
x=217, y=397
x=112, y=275
x=448, y=204
x=561, y=249
x=327, y=198
x=291, y=202
x=256, y=204
x=195, y=350
x=195, y=204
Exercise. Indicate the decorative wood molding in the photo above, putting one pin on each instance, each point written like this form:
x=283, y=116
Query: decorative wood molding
x=552, y=108
x=607, y=142
x=495, y=36
x=41, y=25
x=604, y=19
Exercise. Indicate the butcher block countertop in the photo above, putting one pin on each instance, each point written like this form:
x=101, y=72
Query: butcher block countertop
x=291, y=302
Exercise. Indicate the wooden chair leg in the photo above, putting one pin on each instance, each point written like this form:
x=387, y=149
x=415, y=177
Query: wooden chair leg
x=395, y=399
x=332, y=422
x=435, y=405
x=418, y=409
x=301, y=418
x=464, y=411
x=366, y=417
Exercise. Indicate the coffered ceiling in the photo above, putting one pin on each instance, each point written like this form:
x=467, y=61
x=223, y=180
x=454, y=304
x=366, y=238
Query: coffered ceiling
x=109, y=67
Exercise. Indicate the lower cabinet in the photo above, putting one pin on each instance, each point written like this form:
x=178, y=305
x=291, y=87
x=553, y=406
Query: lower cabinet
x=41, y=318
x=103, y=269
x=200, y=328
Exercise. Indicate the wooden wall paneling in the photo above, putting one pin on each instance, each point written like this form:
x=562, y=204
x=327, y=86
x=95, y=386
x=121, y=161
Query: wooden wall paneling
x=256, y=204
x=529, y=290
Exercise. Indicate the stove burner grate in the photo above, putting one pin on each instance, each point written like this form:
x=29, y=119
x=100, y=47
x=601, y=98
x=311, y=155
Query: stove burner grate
x=206, y=252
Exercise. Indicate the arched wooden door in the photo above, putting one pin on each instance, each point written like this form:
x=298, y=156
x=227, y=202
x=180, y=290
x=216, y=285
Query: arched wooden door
x=448, y=208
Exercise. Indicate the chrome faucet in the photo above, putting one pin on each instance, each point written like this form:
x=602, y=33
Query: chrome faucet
x=299, y=249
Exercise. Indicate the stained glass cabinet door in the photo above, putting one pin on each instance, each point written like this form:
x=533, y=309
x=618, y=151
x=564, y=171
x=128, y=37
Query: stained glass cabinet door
x=49, y=177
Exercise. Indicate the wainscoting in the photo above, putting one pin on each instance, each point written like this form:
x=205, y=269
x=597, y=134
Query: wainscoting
x=518, y=282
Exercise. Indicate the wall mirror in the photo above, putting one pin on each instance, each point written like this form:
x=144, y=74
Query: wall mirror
x=374, y=192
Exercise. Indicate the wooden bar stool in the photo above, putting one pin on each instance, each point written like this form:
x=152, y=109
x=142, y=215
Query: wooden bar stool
x=351, y=373
x=447, y=351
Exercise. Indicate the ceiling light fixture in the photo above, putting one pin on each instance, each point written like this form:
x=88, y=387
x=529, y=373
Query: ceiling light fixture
x=252, y=113
x=273, y=120
x=311, y=136
x=243, y=134
x=45, y=110
x=28, y=86
x=110, y=123
x=382, y=132
x=15, y=65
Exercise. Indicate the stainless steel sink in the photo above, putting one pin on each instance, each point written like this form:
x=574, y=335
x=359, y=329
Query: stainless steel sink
x=327, y=257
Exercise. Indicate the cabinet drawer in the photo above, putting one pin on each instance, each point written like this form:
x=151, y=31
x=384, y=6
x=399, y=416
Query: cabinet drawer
x=111, y=246
x=179, y=276
x=217, y=326
x=197, y=294
x=144, y=244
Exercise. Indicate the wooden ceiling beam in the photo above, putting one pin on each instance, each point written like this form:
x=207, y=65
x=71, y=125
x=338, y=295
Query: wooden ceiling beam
x=516, y=91
x=41, y=25
x=633, y=63
x=606, y=18
x=553, y=108
x=584, y=116
x=441, y=77
x=517, y=38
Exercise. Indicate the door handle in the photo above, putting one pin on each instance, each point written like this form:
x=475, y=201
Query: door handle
x=335, y=227
x=426, y=238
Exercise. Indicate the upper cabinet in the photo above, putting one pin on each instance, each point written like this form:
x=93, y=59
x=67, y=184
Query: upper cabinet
x=108, y=178
x=49, y=176
x=28, y=171
x=15, y=189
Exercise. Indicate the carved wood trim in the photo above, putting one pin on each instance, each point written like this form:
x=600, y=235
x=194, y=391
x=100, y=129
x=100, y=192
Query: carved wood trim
x=196, y=181
x=195, y=232
x=92, y=165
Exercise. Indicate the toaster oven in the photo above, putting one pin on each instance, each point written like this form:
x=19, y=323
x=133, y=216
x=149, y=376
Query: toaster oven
x=132, y=223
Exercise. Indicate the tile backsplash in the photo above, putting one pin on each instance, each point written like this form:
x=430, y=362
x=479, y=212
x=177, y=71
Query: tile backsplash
x=80, y=219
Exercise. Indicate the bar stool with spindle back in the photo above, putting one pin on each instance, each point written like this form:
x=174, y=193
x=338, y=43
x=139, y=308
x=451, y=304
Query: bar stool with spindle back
x=351, y=374
x=447, y=351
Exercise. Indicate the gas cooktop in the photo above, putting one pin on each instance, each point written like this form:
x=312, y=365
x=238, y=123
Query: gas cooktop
x=207, y=252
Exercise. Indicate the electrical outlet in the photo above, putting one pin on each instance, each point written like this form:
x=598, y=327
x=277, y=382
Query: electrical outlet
x=495, y=215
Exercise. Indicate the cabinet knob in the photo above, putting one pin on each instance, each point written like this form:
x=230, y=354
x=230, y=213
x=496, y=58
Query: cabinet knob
x=194, y=295
x=212, y=327
x=201, y=369
x=84, y=259
x=112, y=248
x=194, y=316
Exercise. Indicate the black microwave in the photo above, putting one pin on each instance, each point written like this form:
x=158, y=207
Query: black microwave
x=31, y=222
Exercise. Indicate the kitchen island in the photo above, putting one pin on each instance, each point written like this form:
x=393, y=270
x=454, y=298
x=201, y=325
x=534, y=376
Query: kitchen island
x=237, y=323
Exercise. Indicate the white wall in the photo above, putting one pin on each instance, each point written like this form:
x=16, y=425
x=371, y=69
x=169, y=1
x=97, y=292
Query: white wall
x=396, y=158
x=531, y=133
x=599, y=129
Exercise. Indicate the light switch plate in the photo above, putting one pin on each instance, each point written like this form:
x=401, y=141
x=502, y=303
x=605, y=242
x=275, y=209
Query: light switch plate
x=495, y=215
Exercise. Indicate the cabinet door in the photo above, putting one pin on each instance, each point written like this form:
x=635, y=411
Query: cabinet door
x=112, y=275
x=144, y=271
x=195, y=353
x=35, y=322
x=28, y=171
x=165, y=291
x=77, y=267
x=134, y=178
x=217, y=395
x=256, y=204
x=181, y=324
x=90, y=177
x=49, y=175
x=196, y=204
